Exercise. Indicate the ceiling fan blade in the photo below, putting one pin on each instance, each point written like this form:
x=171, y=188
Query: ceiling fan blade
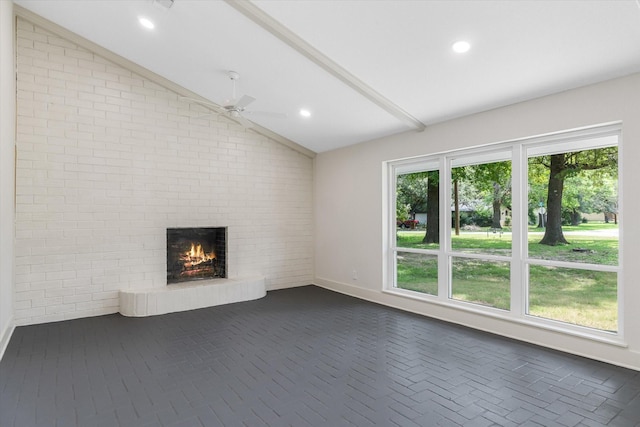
x=243, y=102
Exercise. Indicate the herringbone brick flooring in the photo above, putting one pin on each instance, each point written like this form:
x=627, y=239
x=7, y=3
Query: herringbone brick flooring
x=300, y=357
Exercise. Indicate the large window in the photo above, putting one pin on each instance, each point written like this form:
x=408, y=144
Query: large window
x=527, y=230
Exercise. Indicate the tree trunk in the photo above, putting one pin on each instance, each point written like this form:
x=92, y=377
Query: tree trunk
x=553, y=233
x=433, y=209
x=495, y=222
x=576, y=218
x=497, y=204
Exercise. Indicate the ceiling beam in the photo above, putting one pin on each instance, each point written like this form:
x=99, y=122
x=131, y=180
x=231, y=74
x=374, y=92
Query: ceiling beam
x=257, y=15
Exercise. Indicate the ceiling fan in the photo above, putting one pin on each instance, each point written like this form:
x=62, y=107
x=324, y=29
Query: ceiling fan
x=235, y=108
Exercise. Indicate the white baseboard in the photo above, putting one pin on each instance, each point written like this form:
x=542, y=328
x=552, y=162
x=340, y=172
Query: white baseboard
x=6, y=337
x=277, y=287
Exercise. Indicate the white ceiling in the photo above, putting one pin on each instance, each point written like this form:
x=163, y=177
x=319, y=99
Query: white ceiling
x=360, y=65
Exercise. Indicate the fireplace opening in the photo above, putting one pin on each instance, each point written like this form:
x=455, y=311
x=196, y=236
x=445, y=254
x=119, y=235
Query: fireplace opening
x=196, y=254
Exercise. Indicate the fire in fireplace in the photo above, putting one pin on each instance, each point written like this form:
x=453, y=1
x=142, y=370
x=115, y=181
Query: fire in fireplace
x=196, y=254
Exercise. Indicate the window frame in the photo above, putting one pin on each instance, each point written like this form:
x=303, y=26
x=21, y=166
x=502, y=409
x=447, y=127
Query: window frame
x=471, y=157
x=395, y=169
x=519, y=259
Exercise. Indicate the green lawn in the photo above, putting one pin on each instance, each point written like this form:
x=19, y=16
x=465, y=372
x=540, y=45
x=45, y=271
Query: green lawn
x=589, y=226
x=418, y=272
x=593, y=249
x=583, y=297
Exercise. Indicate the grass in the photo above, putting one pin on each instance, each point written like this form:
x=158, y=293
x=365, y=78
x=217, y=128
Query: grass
x=589, y=226
x=482, y=282
x=594, y=249
x=582, y=297
x=418, y=272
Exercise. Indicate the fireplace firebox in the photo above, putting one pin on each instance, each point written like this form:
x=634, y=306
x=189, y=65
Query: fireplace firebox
x=196, y=254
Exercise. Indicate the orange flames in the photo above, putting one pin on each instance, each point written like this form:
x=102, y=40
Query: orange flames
x=196, y=256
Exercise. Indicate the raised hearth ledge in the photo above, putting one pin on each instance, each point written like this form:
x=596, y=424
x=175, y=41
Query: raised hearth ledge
x=190, y=296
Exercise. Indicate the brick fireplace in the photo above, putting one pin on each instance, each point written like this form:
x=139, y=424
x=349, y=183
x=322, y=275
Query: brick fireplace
x=197, y=276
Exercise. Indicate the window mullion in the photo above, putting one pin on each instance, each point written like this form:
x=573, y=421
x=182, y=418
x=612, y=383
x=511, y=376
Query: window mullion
x=519, y=223
x=391, y=268
x=444, y=275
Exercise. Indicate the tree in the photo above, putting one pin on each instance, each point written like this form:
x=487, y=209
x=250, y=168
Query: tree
x=557, y=173
x=411, y=191
x=586, y=192
x=605, y=198
x=576, y=189
x=420, y=192
x=495, y=179
x=538, y=180
x=402, y=212
x=564, y=165
x=458, y=175
x=432, y=234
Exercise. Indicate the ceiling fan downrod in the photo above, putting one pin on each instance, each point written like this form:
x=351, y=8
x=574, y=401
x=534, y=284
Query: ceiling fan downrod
x=234, y=76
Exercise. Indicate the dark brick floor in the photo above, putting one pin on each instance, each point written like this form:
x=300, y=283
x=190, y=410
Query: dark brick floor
x=299, y=357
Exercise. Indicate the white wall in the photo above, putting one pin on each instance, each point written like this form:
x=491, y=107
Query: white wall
x=350, y=180
x=107, y=160
x=7, y=169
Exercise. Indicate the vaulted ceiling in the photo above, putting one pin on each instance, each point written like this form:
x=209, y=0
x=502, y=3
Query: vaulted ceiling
x=363, y=69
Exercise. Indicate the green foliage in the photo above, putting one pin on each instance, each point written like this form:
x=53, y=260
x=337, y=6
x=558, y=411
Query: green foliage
x=589, y=191
x=482, y=217
x=492, y=180
x=402, y=211
x=604, y=160
x=484, y=189
x=589, y=184
x=411, y=192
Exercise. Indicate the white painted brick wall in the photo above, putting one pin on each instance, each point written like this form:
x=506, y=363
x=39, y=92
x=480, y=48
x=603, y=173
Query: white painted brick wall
x=107, y=161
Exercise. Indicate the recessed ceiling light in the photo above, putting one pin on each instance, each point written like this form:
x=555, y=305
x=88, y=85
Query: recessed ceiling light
x=305, y=113
x=461, y=46
x=146, y=22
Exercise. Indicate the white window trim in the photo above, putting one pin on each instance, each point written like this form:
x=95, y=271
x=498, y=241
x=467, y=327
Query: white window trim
x=520, y=149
